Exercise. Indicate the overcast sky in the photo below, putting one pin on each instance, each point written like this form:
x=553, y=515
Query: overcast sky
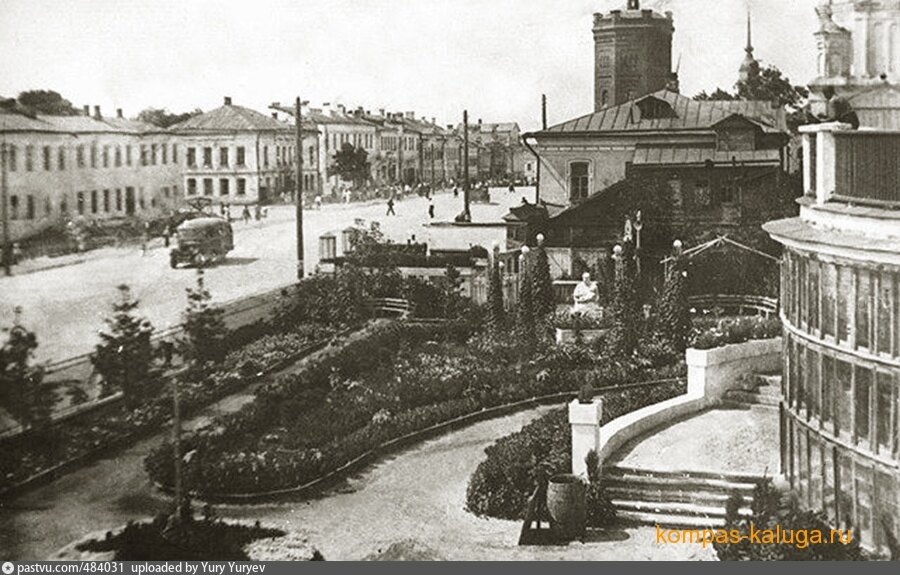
x=435, y=57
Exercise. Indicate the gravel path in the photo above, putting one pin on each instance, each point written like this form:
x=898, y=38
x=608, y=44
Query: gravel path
x=720, y=440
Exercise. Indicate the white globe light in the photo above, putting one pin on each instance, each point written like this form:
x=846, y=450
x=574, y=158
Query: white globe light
x=677, y=244
x=525, y=250
x=540, y=238
x=617, y=250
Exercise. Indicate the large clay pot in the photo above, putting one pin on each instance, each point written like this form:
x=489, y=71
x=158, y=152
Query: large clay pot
x=567, y=506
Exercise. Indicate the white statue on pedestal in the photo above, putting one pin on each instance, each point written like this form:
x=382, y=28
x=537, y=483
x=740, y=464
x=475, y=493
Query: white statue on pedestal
x=585, y=296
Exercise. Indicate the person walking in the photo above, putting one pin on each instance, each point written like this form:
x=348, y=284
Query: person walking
x=431, y=208
x=145, y=238
x=390, y=206
x=245, y=214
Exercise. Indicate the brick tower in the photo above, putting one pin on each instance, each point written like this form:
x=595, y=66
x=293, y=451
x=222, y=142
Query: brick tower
x=632, y=54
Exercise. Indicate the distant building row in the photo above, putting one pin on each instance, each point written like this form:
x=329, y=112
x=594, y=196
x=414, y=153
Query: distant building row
x=92, y=167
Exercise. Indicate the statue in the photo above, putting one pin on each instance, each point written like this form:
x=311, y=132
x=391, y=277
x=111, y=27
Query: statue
x=585, y=296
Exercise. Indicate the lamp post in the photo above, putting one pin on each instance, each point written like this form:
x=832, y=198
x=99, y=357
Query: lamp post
x=5, y=252
x=298, y=177
x=466, y=215
x=638, y=226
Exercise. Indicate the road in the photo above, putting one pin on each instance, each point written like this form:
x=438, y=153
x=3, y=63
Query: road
x=66, y=306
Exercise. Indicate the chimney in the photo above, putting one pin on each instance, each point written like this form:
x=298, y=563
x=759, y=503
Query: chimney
x=274, y=115
x=450, y=127
x=227, y=100
x=381, y=112
x=411, y=115
x=87, y=110
x=97, y=114
x=119, y=113
x=434, y=121
x=342, y=109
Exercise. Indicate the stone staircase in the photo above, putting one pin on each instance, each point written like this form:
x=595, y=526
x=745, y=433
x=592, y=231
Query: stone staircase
x=760, y=390
x=676, y=499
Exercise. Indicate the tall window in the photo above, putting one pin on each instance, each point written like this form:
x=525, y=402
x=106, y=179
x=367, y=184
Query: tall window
x=105, y=156
x=93, y=155
x=61, y=157
x=191, y=157
x=578, y=180
x=14, y=207
x=80, y=203
x=174, y=153
x=47, y=159
x=153, y=154
x=241, y=186
x=207, y=186
x=79, y=156
x=165, y=153
x=118, y=199
x=29, y=207
x=223, y=187
x=207, y=157
x=241, y=159
x=223, y=157
x=29, y=158
x=11, y=158
x=191, y=187
x=106, y=201
x=128, y=155
x=144, y=159
x=94, y=202
x=266, y=156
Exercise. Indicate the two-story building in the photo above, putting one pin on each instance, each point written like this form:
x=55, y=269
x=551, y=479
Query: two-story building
x=235, y=155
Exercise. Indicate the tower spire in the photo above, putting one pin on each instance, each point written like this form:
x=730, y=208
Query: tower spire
x=749, y=47
x=749, y=67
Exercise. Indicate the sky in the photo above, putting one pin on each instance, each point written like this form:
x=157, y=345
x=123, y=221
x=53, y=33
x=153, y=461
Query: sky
x=435, y=57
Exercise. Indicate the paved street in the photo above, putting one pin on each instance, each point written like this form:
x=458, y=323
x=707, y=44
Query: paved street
x=66, y=305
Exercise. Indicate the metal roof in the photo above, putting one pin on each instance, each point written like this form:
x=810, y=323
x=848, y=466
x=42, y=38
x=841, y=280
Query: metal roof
x=230, y=118
x=672, y=156
x=688, y=114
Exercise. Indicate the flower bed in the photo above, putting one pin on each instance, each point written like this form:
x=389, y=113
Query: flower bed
x=709, y=333
x=26, y=456
x=399, y=379
x=503, y=482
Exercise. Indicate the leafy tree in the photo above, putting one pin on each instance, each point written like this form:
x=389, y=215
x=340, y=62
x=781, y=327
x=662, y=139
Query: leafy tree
x=124, y=355
x=23, y=393
x=204, y=326
x=625, y=306
x=541, y=283
x=674, y=321
x=352, y=164
x=769, y=84
x=47, y=102
x=163, y=118
x=454, y=302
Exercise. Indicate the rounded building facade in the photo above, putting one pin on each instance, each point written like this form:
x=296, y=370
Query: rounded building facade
x=840, y=294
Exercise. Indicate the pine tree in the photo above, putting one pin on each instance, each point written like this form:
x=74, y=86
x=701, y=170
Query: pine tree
x=124, y=355
x=625, y=306
x=204, y=327
x=674, y=321
x=23, y=393
x=496, y=313
x=542, y=284
x=525, y=307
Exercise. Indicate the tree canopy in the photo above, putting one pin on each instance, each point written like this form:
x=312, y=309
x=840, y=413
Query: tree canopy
x=351, y=163
x=47, y=102
x=162, y=118
x=768, y=84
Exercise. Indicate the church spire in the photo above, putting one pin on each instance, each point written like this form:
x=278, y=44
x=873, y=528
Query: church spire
x=749, y=67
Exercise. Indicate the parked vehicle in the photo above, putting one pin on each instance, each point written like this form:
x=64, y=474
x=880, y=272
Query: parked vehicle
x=201, y=241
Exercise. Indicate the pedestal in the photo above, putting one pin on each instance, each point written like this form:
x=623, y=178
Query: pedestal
x=585, y=421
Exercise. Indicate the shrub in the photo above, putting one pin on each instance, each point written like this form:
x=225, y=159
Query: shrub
x=715, y=332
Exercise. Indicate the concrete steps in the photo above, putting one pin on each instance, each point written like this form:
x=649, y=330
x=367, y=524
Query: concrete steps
x=765, y=394
x=682, y=499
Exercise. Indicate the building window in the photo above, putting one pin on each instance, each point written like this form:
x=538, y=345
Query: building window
x=95, y=205
x=29, y=207
x=191, y=187
x=240, y=160
x=223, y=157
x=141, y=199
x=207, y=157
x=128, y=154
x=144, y=160
x=312, y=156
x=11, y=158
x=64, y=206
x=165, y=153
x=207, y=186
x=48, y=208
x=579, y=176
x=241, y=186
x=79, y=156
x=14, y=207
x=174, y=153
x=223, y=187
x=47, y=159
x=604, y=98
x=192, y=157
x=118, y=199
x=702, y=196
x=106, y=201
x=80, y=203
x=29, y=158
x=94, y=155
x=266, y=156
x=105, y=156
x=153, y=154
x=118, y=157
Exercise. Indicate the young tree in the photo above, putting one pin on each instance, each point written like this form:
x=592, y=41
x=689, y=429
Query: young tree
x=496, y=313
x=525, y=306
x=204, y=327
x=674, y=321
x=124, y=355
x=625, y=305
x=23, y=393
x=352, y=164
x=541, y=284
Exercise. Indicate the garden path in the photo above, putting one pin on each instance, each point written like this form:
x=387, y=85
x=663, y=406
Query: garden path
x=723, y=440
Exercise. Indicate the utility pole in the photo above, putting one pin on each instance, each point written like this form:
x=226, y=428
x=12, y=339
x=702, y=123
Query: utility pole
x=176, y=448
x=298, y=176
x=543, y=111
x=467, y=215
x=5, y=251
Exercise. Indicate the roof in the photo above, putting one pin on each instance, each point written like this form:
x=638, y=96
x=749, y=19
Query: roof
x=17, y=122
x=671, y=156
x=230, y=118
x=526, y=212
x=602, y=194
x=685, y=114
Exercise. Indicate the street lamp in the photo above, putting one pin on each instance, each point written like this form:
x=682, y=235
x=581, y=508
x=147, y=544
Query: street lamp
x=298, y=178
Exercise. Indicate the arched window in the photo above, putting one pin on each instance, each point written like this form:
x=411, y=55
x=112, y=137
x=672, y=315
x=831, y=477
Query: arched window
x=604, y=98
x=579, y=180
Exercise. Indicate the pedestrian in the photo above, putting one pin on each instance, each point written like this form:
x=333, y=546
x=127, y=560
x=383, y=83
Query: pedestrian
x=431, y=208
x=319, y=202
x=455, y=191
x=512, y=188
x=390, y=205
x=245, y=214
x=145, y=238
x=16, y=253
x=257, y=212
x=167, y=232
